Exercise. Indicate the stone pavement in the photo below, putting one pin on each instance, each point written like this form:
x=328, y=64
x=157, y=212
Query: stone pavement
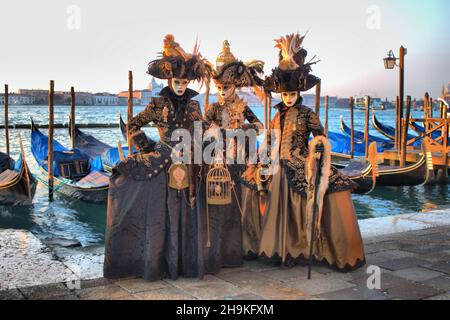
x=413, y=265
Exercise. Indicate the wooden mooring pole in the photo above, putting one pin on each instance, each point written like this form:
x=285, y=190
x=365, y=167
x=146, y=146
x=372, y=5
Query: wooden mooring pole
x=51, y=120
x=430, y=106
x=426, y=111
x=72, y=117
x=404, y=131
x=352, y=127
x=402, y=54
x=445, y=138
x=130, y=110
x=317, y=99
x=397, y=124
x=366, y=127
x=6, y=118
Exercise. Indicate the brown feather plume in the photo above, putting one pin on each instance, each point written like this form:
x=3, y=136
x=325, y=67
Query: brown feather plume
x=289, y=46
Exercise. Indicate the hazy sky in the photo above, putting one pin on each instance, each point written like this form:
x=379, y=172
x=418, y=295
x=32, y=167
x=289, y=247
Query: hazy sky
x=47, y=39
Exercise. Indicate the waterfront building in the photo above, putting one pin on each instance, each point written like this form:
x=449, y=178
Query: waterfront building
x=123, y=98
x=17, y=99
x=106, y=99
x=446, y=93
x=40, y=96
x=145, y=96
x=81, y=98
x=155, y=87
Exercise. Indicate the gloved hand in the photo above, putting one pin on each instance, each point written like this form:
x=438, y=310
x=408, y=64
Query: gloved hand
x=320, y=148
x=140, y=141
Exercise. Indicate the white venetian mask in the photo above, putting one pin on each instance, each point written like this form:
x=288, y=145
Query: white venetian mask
x=289, y=98
x=179, y=86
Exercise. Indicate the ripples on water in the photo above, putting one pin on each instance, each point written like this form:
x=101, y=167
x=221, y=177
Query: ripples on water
x=72, y=219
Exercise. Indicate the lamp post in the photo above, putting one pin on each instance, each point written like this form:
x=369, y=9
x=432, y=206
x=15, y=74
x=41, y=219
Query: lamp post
x=389, y=63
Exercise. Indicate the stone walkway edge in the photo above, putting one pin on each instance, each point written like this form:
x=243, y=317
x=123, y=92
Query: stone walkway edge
x=410, y=252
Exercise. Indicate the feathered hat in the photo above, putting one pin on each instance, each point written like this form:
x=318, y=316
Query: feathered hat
x=230, y=70
x=177, y=63
x=292, y=73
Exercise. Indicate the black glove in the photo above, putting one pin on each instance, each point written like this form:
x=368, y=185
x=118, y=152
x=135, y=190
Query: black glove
x=140, y=141
x=320, y=148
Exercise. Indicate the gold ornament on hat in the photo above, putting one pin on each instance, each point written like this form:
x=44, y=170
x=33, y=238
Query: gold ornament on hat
x=225, y=57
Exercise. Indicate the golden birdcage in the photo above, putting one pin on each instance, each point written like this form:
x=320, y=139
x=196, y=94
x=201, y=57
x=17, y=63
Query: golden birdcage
x=218, y=184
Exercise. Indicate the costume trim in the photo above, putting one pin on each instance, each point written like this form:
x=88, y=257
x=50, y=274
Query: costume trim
x=322, y=188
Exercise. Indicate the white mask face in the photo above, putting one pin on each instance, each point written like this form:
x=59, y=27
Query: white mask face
x=179, y=86
x=289, y=98
x=226, y=91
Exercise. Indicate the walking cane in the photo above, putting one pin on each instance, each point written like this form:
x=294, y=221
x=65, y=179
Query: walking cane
x=318, y=157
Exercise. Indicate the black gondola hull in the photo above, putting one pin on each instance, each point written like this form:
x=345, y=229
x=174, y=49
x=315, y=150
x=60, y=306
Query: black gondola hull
x=95, y=193
x=412, y=175
x=92, y=196
x=16, y=193
x=365, y=184
x=362, y=174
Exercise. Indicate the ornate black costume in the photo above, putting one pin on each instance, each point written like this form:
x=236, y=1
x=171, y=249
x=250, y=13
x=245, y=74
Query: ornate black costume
x=154, y=230
x=228, y=115
x=287, y=213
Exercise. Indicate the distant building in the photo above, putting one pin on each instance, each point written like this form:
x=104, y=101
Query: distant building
x=17, y=99
x=106, y=99
x=155, y=87
x=308, y=99
x=81, y=98
x=142, y=97
x=446, y=93
x=343, y=103
x=123, y=98
x=40, y=96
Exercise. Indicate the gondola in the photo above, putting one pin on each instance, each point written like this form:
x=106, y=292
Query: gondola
x=413, y=174
x=341, y=149
x=382, y=144
x=362, y=171
x=123, y=130
x=123, y=127
x=103, y=156
x=17, y=184
x=87, y=143
x=74, y=174
x=421, y=130
x=387, y=131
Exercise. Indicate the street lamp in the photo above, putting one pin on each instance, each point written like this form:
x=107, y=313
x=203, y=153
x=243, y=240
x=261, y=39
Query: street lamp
x=390, y=61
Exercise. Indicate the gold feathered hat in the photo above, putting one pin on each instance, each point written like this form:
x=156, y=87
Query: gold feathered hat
x=230, y=70
x=177, y=63
x=292, y=73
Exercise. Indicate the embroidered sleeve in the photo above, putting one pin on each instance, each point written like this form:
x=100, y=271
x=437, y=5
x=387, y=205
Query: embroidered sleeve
x=314, y=124
x=196, y=113
x=252, y=118
x=144, y=117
